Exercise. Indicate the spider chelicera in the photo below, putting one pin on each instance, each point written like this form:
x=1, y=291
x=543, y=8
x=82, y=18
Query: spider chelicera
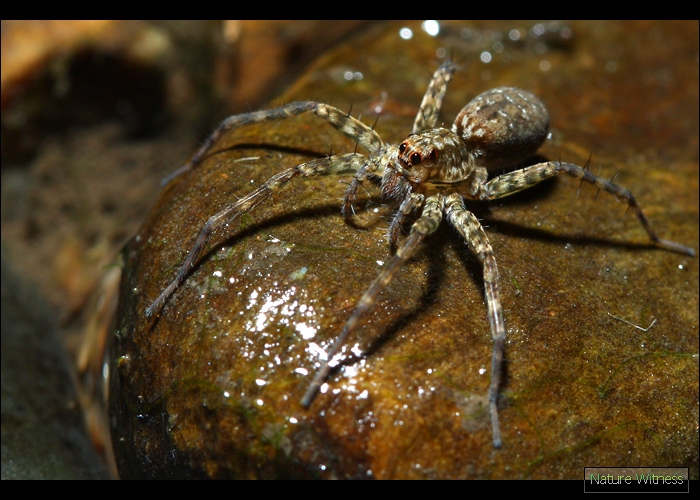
x=431, y=172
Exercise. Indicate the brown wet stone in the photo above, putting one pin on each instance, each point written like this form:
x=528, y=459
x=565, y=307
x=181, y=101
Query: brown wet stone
x=211, y=388
x=93, y=114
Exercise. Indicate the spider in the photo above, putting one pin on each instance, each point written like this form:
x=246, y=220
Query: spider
x=431, y=172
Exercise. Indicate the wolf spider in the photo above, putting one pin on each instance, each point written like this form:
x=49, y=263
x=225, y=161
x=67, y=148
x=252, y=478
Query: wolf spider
x=430, y=172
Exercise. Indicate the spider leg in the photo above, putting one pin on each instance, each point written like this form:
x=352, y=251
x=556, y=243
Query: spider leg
x=362, y=174
x=323, y=166
x=408, y=205
x=513, y=182
x=425, y=225
x=372, y=169
x=432, y=100
x=348, y=125
x=473, y=233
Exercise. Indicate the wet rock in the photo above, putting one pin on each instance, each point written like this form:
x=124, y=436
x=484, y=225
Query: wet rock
x=211, y=386
x=43, y=431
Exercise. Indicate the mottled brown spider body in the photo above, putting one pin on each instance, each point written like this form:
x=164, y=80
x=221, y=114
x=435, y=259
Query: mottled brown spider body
x=430, y=172
x=502, y=127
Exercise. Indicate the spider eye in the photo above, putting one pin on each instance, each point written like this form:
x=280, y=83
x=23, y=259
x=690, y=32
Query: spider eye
x=402, y=148
x=416, y=159
x=433, y=154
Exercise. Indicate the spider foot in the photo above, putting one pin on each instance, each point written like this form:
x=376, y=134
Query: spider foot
x=675, y=247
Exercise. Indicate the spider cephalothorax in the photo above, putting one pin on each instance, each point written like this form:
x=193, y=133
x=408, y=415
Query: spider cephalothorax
x=430, y=173
x=434, y=157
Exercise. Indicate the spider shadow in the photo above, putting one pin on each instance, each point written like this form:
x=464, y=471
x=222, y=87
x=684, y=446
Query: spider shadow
x=428, y=298
x=436, y=266
x=531, y=233
x=539, y=192
x=435, y=275
x=265, y=147
x=232, y=239
x=434, y=280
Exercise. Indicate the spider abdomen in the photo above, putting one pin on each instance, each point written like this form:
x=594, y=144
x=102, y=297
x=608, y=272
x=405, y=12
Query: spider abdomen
x=503, y=126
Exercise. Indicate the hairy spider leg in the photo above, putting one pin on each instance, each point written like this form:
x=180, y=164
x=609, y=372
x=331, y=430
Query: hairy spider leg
x=473, y=233
x=367, y=171
x=510, y=183
x=413, y=201
x=432, y=100
x=338, y=164
x=351, y=127
x=426, y=224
